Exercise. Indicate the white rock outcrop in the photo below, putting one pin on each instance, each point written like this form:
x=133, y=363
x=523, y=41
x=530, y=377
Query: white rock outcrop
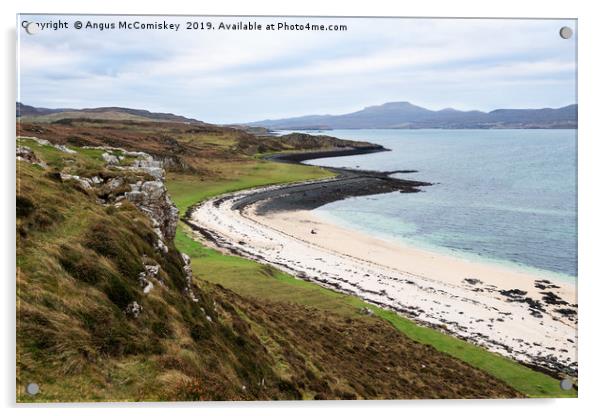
x=85, y=183
x=150, y=166
x=133, y=309
x=151, y=197
x=110, y=158
x=188, y=271
x=45, y=142
x=26, y=154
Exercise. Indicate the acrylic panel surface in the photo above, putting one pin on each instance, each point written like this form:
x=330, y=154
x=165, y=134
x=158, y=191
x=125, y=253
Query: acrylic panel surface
x=295, y=208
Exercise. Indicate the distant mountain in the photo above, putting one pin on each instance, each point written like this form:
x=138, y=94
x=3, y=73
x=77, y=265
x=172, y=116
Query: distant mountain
x=107, y=113
x=28, y=110
x=404, y=115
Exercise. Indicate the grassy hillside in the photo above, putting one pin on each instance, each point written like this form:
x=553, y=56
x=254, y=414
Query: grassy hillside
x=49, y=115
x=78, y=270
x=70, y=115
x=254, y=333
x=203, y=150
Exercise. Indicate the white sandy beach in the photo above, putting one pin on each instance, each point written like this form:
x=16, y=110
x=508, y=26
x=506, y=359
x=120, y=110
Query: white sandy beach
x=431, y=288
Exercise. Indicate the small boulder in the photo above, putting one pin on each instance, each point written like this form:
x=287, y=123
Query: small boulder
x=133, y=309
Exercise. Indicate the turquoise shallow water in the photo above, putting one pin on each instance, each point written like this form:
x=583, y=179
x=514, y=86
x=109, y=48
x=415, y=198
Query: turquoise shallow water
x=506, y=196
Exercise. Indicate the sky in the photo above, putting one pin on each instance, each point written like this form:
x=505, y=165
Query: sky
x=225, y=76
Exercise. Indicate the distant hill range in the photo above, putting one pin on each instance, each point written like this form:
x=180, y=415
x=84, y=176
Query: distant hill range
x=101, y=113
x=404, y=115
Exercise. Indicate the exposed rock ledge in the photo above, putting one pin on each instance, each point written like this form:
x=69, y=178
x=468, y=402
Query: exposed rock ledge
x=149, y=196
x=142, y=182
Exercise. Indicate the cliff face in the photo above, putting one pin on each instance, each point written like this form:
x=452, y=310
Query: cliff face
x=151, y=198
x=142, y=183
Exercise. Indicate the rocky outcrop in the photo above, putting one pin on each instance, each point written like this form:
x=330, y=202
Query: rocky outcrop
x=26, y=154
x=84, y=183
x=151, y=197
x=110, y=158
x=45, y=142
x=149, y=275
x=189, y=277
x=149, y=166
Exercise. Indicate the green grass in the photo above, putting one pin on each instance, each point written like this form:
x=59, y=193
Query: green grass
x=252, y=279
x=85, y=161
x=187, y=190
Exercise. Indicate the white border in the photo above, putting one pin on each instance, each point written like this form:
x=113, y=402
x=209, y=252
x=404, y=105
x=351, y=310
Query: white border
x=590, y=160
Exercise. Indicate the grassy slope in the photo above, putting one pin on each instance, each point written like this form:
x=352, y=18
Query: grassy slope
x=249, y=278
x=77, y=268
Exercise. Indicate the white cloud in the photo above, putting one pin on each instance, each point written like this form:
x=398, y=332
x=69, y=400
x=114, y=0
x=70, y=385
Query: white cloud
x=234, y=76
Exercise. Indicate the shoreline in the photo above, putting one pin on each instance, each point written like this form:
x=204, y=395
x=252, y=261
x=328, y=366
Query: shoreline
x=348, y=183
x=517, y=314
x=553, y=275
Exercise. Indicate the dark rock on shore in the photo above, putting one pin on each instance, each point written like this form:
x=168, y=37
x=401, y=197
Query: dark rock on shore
x=553, y=299
x=545, y=284
x=313, y=195
x=514, y=294
x=348, y=183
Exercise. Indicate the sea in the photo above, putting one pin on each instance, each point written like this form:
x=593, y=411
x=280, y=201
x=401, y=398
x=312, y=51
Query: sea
x=501, y=196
